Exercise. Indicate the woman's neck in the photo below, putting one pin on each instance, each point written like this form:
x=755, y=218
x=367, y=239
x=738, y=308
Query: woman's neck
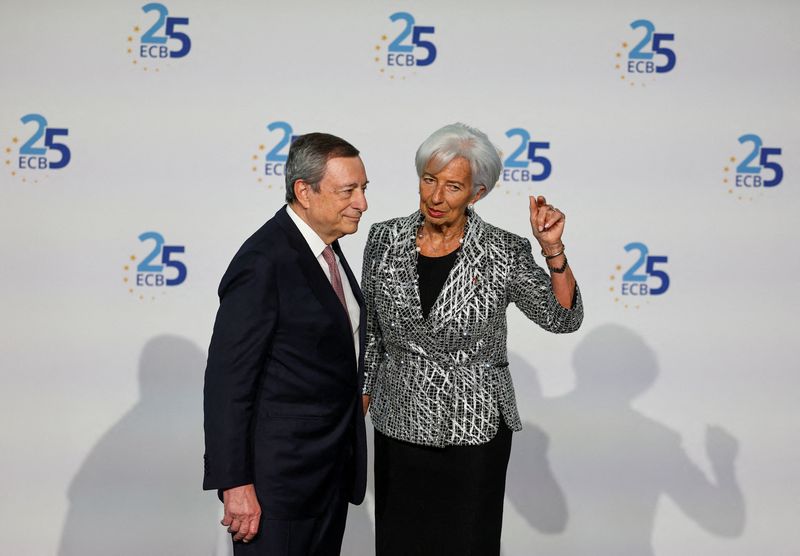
x=444, y=232
x=438, y=240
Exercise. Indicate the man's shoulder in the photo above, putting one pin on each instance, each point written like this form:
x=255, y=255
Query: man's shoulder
x=269, y=240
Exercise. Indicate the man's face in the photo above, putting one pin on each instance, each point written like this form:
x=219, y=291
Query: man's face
x=336, y=210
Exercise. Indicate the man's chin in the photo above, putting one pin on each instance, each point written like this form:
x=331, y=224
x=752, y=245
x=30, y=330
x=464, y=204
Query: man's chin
x=350, y=225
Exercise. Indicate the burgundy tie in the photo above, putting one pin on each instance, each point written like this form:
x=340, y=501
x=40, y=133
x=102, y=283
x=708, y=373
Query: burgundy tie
x=336, y=279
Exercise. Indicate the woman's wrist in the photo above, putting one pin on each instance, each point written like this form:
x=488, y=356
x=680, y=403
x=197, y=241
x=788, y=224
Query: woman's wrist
x=553, y=250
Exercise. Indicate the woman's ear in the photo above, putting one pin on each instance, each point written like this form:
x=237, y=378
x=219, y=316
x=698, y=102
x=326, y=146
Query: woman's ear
x=479, y=194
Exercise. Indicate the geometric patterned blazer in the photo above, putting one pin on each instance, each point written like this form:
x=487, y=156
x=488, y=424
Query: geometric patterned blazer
x=444, y=380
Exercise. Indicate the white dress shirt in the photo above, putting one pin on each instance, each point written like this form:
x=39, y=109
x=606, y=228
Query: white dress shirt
x=317, y=246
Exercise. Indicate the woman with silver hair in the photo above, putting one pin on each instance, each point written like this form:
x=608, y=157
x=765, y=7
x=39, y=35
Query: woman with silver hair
x=437, y=284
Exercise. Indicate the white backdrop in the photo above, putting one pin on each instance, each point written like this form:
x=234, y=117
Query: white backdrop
x=100, y=395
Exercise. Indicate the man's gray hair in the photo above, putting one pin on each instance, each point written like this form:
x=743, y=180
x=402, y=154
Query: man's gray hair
x=460, y=140
x=308, y=156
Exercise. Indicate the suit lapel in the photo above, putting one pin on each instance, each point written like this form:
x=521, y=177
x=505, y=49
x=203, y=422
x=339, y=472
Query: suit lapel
x=309, y=265
x=362, y=320
x=350, y=276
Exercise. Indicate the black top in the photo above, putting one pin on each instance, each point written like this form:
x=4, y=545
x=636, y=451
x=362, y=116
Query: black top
x=433, y=272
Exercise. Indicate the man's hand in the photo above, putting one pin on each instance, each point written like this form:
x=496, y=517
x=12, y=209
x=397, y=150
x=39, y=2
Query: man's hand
x=242, y=512
x=365, y=403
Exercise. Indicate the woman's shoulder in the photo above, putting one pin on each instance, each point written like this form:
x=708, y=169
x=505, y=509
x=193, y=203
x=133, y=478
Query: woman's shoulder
x=500, y=237
x=394, y=226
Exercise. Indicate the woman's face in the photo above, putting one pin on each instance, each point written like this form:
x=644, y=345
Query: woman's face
x=444, y=195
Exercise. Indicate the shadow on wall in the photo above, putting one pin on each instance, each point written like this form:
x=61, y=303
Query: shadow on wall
x=611, y=463
x=139, y=490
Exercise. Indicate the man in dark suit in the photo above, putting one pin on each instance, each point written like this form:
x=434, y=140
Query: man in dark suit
x=284, y=426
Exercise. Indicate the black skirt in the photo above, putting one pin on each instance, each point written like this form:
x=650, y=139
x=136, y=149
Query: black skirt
x=440, y=501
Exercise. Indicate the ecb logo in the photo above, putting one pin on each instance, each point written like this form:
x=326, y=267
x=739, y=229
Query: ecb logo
x=748, y=173
x=42, y=148
x=526, y=163
x=271, y=164
x=649, y=56
x=158, y=268
x=163, y=39
x=411, y=47
x=644, y=277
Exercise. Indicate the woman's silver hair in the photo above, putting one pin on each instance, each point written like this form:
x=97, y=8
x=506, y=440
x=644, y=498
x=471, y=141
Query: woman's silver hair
x=460, y=140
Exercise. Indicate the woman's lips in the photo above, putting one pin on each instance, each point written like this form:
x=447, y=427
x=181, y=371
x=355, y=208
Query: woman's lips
x=435, y=213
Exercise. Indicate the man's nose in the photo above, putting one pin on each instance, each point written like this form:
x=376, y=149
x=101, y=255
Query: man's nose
x=360, y=200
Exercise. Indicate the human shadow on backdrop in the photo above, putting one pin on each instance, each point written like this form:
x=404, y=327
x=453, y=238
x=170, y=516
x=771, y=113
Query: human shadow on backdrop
x=139, y=490
x=611, y=461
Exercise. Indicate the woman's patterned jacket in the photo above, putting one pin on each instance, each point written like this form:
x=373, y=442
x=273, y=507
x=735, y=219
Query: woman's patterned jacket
x=444, y=380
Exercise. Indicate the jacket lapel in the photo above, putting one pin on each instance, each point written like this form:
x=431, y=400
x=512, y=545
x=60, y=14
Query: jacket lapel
x=350, y=276
x=465, y=278
x=309, y=265
x=404, y=267
x=362, y=321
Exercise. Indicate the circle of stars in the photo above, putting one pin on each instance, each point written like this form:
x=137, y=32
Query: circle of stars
x=379, y=49
x=131, y=51
x=254, y=162
x=618, y=66
x=728, y=176
x=8, y=164
x=127, y=280
x=615, y=290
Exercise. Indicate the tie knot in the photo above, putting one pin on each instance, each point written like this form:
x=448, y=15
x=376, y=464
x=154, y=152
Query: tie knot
x=328, y=255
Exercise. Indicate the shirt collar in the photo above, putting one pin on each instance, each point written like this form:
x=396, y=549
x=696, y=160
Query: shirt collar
x=313, y=240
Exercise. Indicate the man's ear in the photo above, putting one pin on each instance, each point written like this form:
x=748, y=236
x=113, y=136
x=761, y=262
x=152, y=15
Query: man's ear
x=301, y=192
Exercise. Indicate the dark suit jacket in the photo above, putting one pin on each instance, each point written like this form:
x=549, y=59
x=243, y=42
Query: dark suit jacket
x=282, y=395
